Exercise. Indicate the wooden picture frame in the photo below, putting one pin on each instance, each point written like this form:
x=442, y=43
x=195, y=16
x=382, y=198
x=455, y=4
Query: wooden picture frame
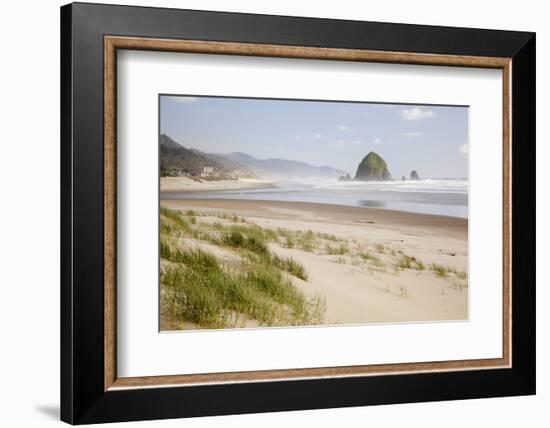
x=91, y=390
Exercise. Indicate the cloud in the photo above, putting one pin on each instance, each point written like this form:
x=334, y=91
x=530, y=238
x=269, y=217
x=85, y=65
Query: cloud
x=315, y=137
x=184, y=100
x=337, y=143
x=377, y=140
x=344, y=128
x=411, y=134
x=416, y=113
x=463, y=149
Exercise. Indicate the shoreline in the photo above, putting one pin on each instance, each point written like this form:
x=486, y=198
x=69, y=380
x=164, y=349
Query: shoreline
x=312, y=211
x=172, y=188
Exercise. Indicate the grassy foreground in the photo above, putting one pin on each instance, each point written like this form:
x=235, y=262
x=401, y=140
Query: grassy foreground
x=199, y=287
x=220, y=270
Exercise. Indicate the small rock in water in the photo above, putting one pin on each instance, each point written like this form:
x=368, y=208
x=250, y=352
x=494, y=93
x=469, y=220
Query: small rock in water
x=414, y=175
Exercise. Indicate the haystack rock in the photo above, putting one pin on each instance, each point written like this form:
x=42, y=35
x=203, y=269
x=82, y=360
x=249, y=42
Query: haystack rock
x=372, y=168
x=414, y=175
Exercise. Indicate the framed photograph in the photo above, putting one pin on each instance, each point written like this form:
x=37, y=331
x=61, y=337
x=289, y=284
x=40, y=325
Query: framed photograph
x=266, y=213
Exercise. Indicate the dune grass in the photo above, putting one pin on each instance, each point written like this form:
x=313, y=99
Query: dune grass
x=327, y=236
x=443, y=271
x=305, y=240
x=291, y=266
x=374, y=259
x=337, y=250
x=200, y=290
x=288, y=237
x=409, y=262
x=252, y=240
x=231, y=217
x=197, y=287
x=380, y=248
x=249, y=239
x=308, y=241
x=438, y=269
x=173, y=220
x=286, y=264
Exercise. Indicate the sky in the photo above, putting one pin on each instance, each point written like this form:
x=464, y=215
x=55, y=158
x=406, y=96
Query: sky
x=432, y=140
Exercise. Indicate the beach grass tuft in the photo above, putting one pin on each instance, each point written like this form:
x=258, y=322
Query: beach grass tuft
x=438, y=269
x=307, y=241
x=287, y=264
x=337, y=250
x=175, y=220
x=369, y=257
x=409, y=262
x=443, y=271
x=291, y=266
x=327, y=236
x=249, y=239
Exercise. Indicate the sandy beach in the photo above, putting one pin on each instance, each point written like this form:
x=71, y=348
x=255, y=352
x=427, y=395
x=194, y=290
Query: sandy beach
x=190, y=185
x=370, y=265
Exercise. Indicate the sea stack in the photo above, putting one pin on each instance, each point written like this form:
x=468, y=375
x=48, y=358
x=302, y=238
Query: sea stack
x=414, y=175
x=372, y=168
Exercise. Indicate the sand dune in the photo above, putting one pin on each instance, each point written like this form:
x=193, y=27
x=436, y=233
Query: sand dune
x=358, y=290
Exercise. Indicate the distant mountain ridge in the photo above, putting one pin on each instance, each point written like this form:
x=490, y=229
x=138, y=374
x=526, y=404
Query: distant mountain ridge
x=283, y=168
x=175, y=159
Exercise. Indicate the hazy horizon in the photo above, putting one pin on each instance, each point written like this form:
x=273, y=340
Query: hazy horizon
x=432, y=140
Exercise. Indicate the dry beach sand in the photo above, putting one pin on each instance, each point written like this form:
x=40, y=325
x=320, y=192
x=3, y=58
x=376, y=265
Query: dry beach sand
x=187, y=184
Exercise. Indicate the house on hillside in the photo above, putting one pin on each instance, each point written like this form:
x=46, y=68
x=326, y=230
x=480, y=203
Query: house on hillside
x=172, y=172
x=207, y=171
x=176, y=172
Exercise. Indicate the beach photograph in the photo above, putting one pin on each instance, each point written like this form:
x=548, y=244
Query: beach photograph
x=286, y=213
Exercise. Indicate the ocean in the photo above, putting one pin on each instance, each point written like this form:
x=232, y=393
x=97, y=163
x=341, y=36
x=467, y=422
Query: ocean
x=447, y=197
